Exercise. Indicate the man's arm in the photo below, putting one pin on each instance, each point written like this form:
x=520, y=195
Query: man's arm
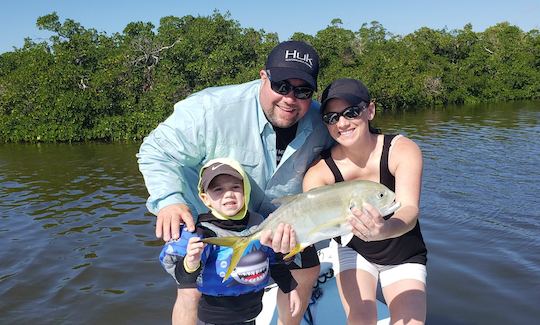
x=176, y=144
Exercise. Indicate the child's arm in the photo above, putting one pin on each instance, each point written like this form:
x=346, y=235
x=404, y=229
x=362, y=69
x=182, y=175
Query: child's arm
x=294, y=302
x=286, y=283
x=283, y=277
x=192, y=261
x=172, y=258
x=188, y=267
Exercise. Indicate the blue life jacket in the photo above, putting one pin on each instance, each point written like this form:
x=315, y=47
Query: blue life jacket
x=251, y=274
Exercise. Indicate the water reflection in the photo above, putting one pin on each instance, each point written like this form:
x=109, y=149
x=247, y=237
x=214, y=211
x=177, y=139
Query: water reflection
x=435, y=121
x=480, y=211
x=75, y=223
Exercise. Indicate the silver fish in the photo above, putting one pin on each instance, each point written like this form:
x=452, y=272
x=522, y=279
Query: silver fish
x=315, y=215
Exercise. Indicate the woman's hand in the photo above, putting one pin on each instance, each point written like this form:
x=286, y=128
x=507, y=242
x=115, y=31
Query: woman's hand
x=368, y=224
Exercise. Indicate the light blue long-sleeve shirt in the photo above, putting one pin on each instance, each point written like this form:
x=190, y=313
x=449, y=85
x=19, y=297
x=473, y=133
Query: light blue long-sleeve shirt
x=226, y=122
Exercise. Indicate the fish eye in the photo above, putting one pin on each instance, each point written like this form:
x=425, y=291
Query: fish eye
x=381, y=195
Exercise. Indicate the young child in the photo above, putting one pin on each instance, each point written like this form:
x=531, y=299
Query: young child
x=225, y=190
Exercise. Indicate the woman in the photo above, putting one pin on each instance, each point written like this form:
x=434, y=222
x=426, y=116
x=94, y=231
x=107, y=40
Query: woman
x=390, y=248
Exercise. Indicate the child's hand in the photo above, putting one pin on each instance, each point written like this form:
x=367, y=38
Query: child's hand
x=193, y=253
x=294, y=302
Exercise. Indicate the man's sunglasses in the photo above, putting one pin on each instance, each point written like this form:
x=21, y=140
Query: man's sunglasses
x=284, y=88
x=349, y=113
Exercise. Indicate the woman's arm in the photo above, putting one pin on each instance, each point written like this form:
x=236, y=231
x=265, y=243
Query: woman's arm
x=405, y=163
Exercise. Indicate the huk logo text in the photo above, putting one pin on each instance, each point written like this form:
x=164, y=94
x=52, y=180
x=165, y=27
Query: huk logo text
x=296, y=56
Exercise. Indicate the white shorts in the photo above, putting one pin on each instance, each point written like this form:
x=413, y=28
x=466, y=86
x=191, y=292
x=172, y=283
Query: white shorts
x=345, y=258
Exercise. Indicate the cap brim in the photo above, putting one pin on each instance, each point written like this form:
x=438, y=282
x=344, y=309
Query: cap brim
x=351, y=99
x=208, y=178
x=279, y=74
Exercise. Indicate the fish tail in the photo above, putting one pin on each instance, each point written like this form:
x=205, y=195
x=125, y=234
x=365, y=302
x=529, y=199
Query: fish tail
x=238, y=245
x=297, y=249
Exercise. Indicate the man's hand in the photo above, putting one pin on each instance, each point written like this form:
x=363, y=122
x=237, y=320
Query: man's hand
x=169, y=220
x=283, y=240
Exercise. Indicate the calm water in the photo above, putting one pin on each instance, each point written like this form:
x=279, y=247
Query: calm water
x=77, y=244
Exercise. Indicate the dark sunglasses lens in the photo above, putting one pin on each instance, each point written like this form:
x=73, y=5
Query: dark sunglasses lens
x=351, y=112
x=280, y=87
x=303, y=92
x=330, y=118
x=283, y=88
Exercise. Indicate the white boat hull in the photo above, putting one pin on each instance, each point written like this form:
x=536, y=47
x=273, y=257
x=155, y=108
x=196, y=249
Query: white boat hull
x=327, y=309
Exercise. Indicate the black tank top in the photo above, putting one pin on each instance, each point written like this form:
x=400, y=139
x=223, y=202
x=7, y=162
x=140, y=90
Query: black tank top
x=407, y=248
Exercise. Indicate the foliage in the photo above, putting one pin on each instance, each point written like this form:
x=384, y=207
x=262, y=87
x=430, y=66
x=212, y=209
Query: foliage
x=86, y=85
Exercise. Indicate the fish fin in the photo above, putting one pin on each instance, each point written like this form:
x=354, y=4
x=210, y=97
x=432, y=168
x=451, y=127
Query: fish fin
x=332, y=223
x=229, y=241
x=345, y=239
x=297, y=249
x=298, y=260
x=284, y=199
x=227, y=233
x=238, y=245
x=250, y=231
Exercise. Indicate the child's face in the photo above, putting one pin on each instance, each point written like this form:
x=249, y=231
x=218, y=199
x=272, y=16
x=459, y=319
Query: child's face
x=225, y=194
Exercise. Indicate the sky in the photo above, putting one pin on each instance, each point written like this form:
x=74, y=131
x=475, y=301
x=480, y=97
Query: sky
x=18, y=17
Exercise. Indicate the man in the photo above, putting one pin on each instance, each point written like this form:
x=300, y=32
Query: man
x=269, y=125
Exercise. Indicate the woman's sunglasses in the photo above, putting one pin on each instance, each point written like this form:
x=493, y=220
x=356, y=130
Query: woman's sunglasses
x=284, y=88
x=349, y=113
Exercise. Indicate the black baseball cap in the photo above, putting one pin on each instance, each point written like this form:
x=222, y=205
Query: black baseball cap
x=294, y=60
x=351, y=90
